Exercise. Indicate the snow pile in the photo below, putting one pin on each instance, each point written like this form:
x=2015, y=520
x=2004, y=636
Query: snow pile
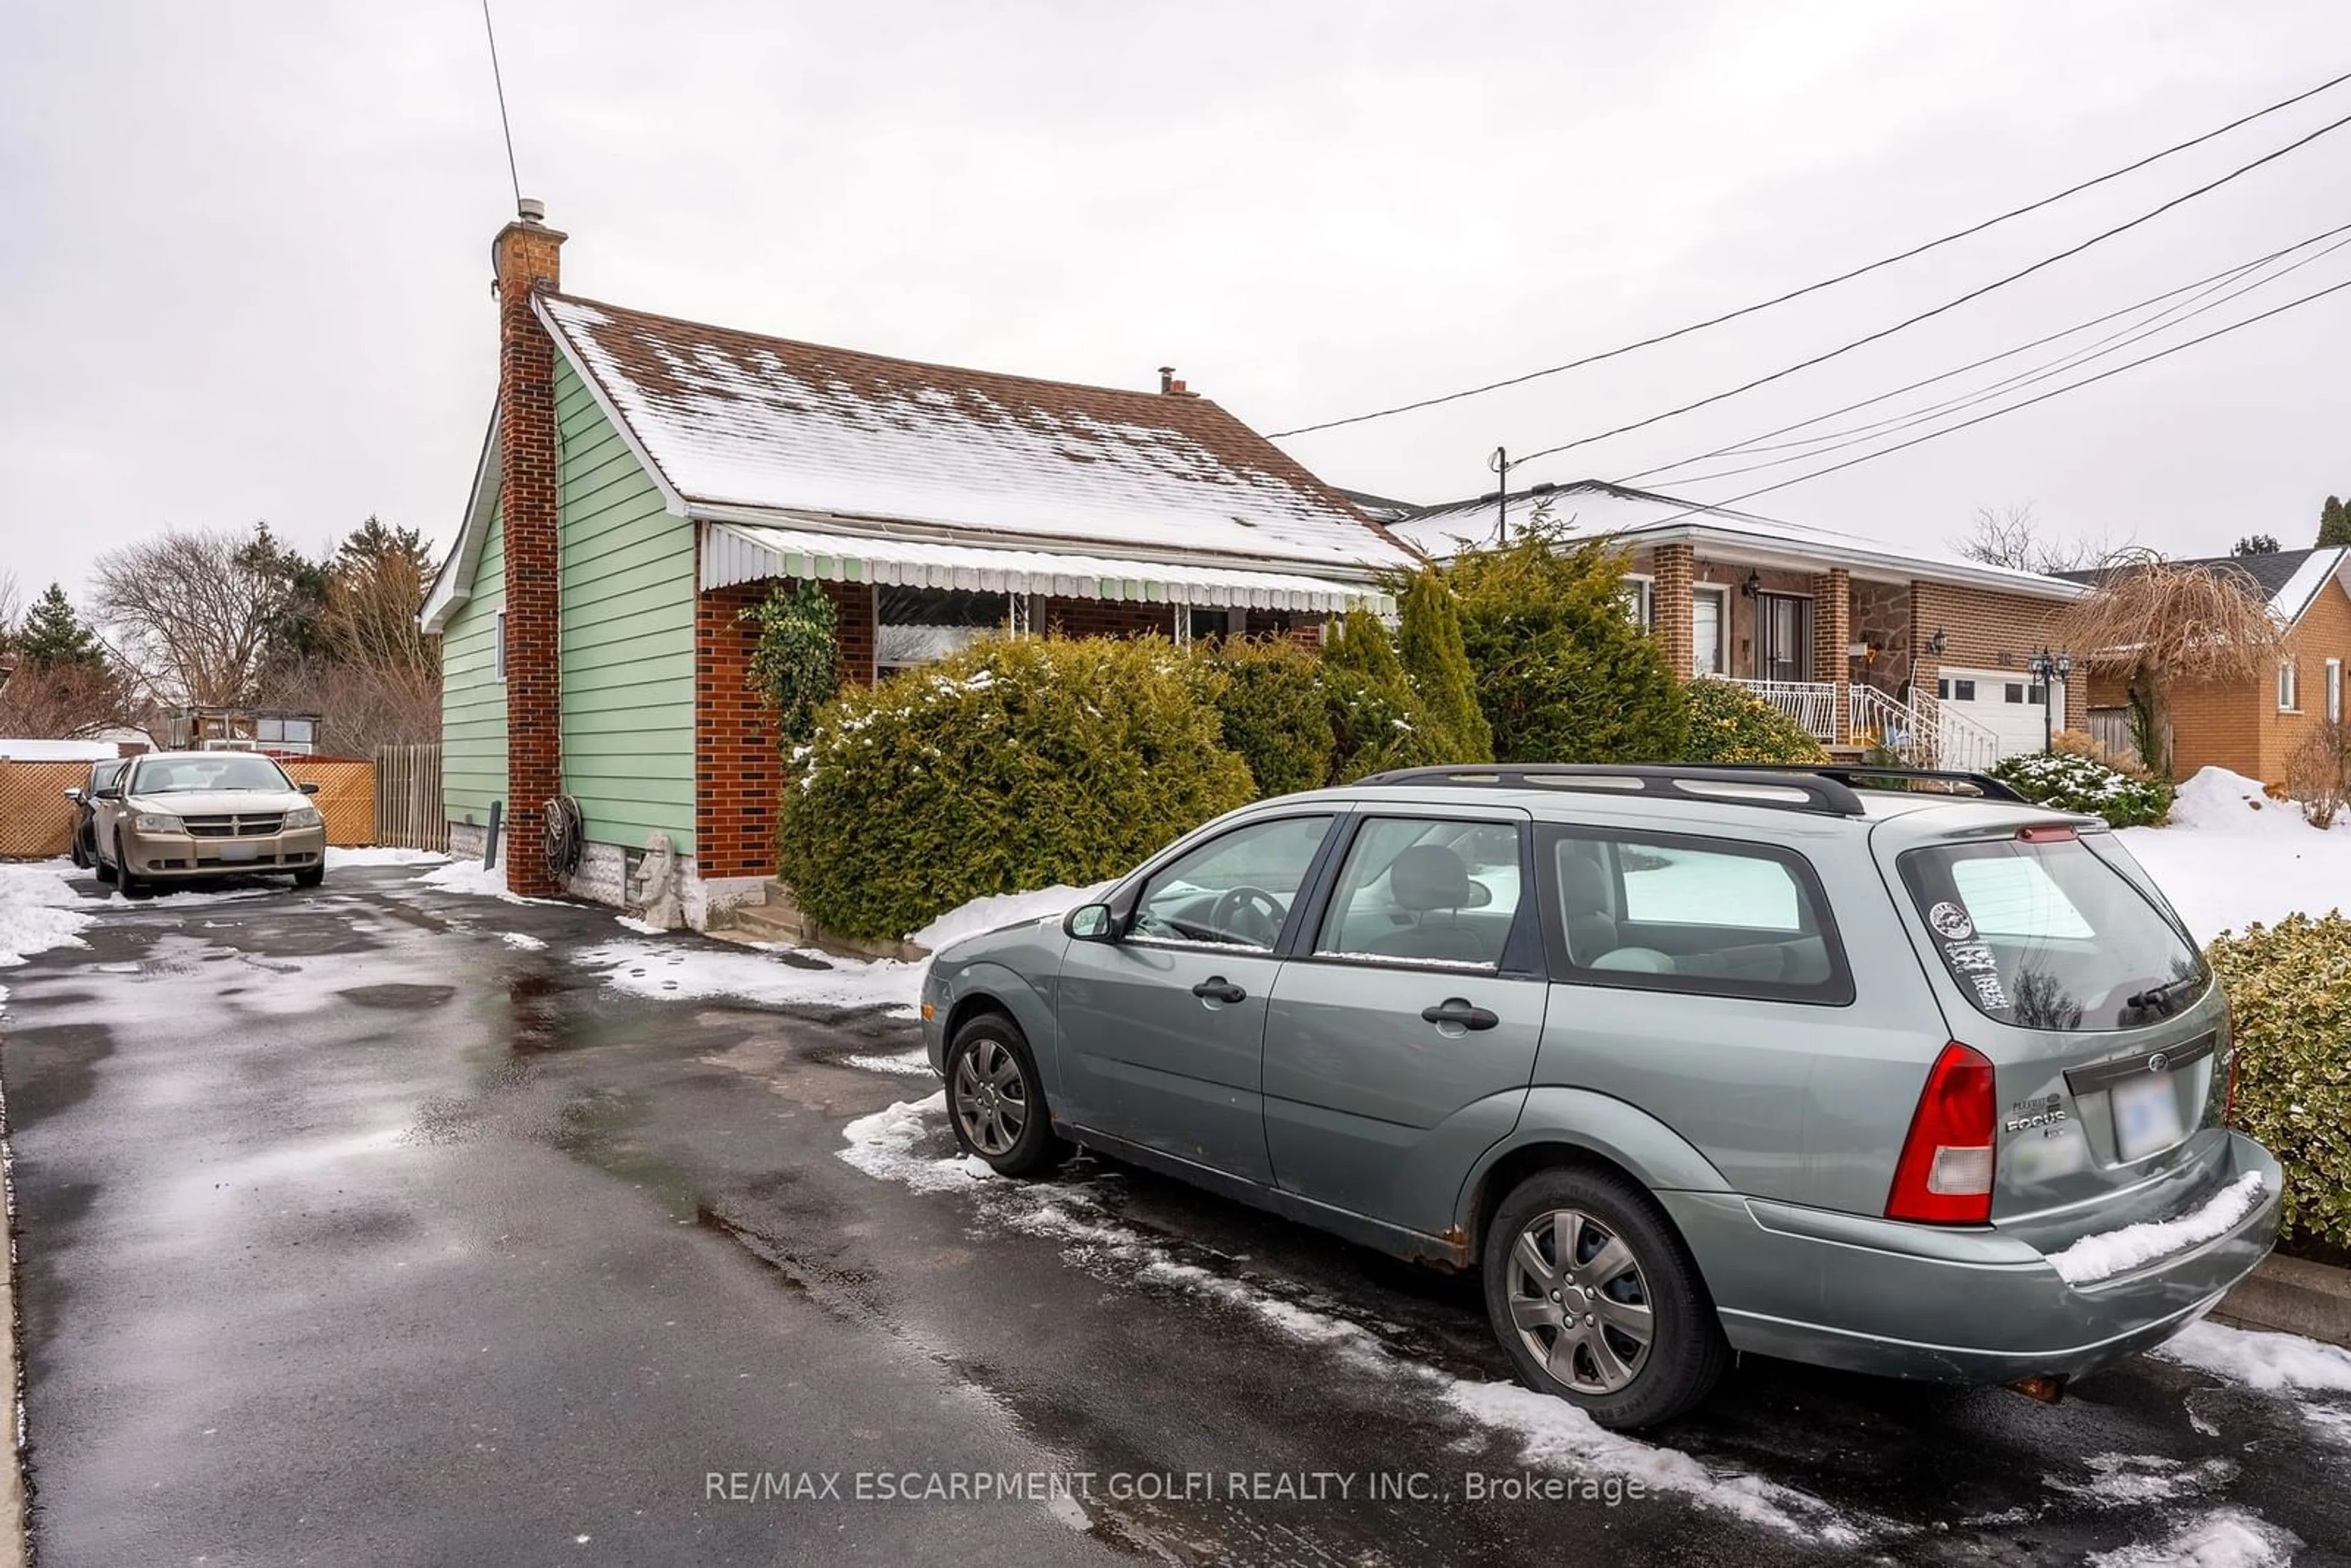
x=2272, y=1363
x=2112, y=1252
x=1550, y=1433
x=2224, y=1537
x=683, y=971
x=381, y=855
x=2233, y=856
x=1005, y=909
x=36, y=911
x=473, y=877
x=906, y=1063
x=523, y=940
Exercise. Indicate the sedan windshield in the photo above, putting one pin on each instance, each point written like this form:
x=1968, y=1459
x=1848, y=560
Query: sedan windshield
x=229, y=770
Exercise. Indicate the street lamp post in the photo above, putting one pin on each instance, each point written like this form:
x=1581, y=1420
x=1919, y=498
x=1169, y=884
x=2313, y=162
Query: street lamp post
x=2045, y=665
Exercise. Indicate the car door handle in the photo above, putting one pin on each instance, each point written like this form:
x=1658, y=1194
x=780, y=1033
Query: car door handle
x=1458, y=1011
x=1216, y=989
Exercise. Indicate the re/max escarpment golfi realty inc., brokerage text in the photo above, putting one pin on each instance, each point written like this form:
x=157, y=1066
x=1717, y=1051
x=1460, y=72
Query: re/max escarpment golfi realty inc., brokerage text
x=1147, y=1486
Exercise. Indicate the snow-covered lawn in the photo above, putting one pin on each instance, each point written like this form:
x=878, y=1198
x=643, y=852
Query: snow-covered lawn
x=2233, y=856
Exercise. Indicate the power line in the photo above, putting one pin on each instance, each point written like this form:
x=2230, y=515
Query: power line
x=1837, y=440
x=504, y=123
x=1824, y=283
x=1948, y=305
x=2011, y=408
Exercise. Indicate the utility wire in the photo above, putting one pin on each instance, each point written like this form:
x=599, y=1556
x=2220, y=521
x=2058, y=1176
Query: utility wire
x=504, y=123
x=1948, y=305
x=2011, y=408
x=2114, y=342
x=1752, y=443
x=1825, y=282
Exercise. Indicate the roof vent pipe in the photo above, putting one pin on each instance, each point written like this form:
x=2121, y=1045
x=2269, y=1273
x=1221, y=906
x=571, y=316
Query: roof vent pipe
x=1167, y=381
x=530, y=209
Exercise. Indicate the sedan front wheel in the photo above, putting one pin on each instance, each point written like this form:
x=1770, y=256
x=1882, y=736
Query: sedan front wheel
x=994, y=1100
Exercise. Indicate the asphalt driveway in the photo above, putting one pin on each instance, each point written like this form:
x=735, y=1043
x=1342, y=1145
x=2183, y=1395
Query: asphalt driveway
x=353, y=1227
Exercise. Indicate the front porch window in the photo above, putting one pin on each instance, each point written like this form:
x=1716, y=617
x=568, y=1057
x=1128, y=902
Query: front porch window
x=923, y=625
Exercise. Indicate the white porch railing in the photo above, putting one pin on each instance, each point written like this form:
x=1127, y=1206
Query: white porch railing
x=1960, y=741
x=1811, y=704
x=1878, y=719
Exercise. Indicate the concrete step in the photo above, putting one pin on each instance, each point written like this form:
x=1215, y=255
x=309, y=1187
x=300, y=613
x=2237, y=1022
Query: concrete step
x=768, y=922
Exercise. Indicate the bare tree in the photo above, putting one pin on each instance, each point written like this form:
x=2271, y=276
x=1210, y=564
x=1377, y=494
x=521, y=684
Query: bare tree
x=12, y=610
x=2013, y=536
x=64, y=701
x=378, y=682
x=2172, y=625
x=190, y=611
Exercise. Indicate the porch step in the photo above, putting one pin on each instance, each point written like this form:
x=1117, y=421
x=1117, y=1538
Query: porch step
x=1849, y=756
x=769, y=922
x=778, y=919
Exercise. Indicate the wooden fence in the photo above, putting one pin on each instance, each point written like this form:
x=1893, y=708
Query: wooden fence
x=37, y=821
x=407, y=796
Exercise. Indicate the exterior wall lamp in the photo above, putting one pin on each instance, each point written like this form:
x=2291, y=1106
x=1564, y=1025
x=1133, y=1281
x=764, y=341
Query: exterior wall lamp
x=1753, y=586
x=1938, y=643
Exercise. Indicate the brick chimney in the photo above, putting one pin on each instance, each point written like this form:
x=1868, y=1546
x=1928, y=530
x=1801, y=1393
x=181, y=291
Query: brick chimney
x=526, y=255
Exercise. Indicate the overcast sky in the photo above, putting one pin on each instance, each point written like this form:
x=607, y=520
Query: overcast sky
x=243, y=246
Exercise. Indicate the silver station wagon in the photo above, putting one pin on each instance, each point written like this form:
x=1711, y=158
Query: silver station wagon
x=1877, y=1070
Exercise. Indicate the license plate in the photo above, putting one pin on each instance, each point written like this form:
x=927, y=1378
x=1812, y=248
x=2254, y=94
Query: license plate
x=2146, y=1115
x=233, y=850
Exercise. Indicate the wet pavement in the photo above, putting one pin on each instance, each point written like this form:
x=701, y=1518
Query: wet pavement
x=349, y=1231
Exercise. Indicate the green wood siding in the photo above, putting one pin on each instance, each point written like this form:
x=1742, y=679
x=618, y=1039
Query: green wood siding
x=627, y=636
x=472, y=698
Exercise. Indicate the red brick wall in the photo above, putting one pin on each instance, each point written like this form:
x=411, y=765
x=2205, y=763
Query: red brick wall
x=1674, y=566
x=1104, y=618
x=1988, y=630
x=737, y=774
x=527, y=256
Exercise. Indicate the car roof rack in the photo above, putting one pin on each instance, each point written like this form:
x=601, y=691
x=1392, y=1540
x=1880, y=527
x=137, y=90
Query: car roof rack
x=1866, y=775
x=1794, y=788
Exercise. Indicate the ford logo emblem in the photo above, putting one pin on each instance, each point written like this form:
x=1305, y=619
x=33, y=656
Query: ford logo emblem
x=2158, y=1062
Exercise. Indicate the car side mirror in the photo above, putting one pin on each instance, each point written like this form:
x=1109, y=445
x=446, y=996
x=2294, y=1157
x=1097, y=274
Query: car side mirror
x=1089, y=923
x=74, y=794
x=111, y=793
x=307, y=789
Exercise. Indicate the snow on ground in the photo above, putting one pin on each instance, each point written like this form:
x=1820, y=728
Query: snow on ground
x=522, y=939
x=684, y=969
x=473, y=877
x=1006, y=909
x=2233, y=856
x=2273, y=1362
x=914, y=1063
x=1550, y=1433
x=2110, y=1252
x=38, y=911
x=2224, y=1537
x=381, y=855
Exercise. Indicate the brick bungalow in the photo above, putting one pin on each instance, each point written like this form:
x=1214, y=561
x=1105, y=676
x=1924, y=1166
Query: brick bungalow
x=646, y=479
x=2252, y=726
x=1913, y=646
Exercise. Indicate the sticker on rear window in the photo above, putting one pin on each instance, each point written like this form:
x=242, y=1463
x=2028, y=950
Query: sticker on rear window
x=1970, y=958
x=1989, y=987
x=1950, y=922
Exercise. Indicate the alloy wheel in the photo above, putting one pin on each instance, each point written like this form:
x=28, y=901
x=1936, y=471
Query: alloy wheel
x=991, y=1097
x=1580, y=1303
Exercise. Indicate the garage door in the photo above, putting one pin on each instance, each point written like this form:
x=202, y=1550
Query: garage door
x=2005, y=702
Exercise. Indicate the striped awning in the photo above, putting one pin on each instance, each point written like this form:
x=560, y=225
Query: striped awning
x=745, y=552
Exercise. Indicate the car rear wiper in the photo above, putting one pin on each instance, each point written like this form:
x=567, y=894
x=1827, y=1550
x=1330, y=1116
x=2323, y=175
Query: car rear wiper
x=2160, y=997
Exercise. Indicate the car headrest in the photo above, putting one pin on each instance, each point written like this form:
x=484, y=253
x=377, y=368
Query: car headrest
x=1429, y=876
x=1582, y=886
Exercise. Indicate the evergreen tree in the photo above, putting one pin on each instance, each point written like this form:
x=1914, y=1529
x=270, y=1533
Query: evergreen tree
x=2334, y=523
x=2257, y=544
x=1428, y=643
x=1378, y=720
x=295, y=589
x=1563, y=675
x=55, y=637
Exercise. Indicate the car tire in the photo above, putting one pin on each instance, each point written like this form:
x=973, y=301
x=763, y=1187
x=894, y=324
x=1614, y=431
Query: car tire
x=1630, y=1268
x=995, y=1102
x=99, y=864
x=133, y=885
x=310, y=878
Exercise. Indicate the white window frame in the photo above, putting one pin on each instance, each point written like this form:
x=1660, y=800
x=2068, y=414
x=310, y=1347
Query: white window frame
x=1644, y=590
x=2289, y=688
x=1720, y=594
x=502, y=645
x=2334, y=690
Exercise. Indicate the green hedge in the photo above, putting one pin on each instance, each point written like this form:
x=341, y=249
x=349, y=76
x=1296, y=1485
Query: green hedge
x=1730, y=723
x=2290, y=998
x=1273, y=713
x=1013, y=765
x=2067, y=782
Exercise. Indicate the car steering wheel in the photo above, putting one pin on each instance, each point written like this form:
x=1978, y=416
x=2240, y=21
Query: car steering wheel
x=1250, y=912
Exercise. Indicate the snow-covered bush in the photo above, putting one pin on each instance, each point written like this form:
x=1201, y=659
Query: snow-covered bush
x=1012, y=765
x=2065, y=781
x=1730, y=723
x=2289, y=999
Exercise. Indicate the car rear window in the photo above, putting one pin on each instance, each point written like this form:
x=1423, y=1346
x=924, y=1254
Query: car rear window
x=2048, y=935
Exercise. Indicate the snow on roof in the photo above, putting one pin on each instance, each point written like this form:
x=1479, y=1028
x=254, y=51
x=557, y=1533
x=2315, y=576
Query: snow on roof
x=736, y=421
x=1590, y=507
x=2294, y=597
x=2288, y=580
x=60, y=750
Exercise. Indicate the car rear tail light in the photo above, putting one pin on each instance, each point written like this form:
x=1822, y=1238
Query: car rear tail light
x=1944, y=1177
x=2046, y=835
